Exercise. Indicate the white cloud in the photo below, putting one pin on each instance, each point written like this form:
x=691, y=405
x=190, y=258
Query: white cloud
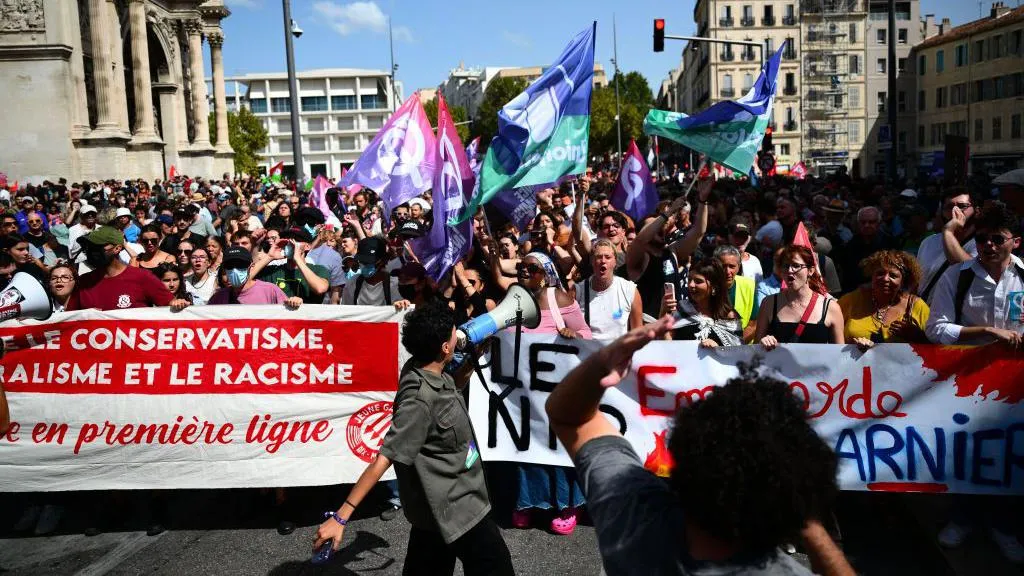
x=243, y=3
x=358, y=17
x=519, y=40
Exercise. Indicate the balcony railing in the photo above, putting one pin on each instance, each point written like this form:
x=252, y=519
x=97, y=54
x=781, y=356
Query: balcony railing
x=790, y=126
x=789, y=90
x=727, y=55
x=746, y=21
x=747, y=55
x=725, y=22
x=789, y=54
x=727, y=92
x=789, y=20
x=768, y=21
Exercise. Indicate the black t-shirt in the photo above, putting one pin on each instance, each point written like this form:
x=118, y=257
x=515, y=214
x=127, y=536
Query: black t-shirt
x=651, y=283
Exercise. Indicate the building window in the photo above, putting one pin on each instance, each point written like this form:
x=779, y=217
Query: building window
x=284, y=126
x=315, y=124
x=769, y=45
x=961, y=55
x=901, y=36
x=880, y=36
x=920, y=135
x=879, y=167
x=313, y=103
x=921, y=101
x=880, y=65
x=997, y=128
x=979, y=129
x=790, y=87
x=979, y=51
x=922, y=65
x=374, y=122
x=1016, y=42
x=318, y=170
x=901, y=65
x=854, y=129
x=748, y=81
x=853, y=32
x=346, y=123
x=784, y=149
x=258, y=106
x=1015, y=126
x=901, y=101
x=280, y=105
x=854, y=64
x=940, y=61
x=940, y=97
x=881, y=101
x=347, y=143
x=854, y=96
x=317, y=145
x=748, y=15
x=371, y=102
x=901, y=146
x=343, y=102
x=284, y=145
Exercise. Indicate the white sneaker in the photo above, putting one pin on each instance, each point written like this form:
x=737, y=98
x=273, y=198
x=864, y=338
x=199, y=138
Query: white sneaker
x=953, y=535
x=1009, y=545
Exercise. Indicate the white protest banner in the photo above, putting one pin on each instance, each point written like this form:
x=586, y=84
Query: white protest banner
x=901, y=418
x=211, y=397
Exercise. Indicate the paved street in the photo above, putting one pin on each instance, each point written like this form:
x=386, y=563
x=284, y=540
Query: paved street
x=226, y=532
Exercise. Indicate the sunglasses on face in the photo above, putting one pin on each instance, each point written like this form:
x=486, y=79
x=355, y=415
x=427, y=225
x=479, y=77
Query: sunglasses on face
x=995, y=239
x=186, y=252
x=611, y=225
x=960, y=205
x=149, y=240
x=530, y=268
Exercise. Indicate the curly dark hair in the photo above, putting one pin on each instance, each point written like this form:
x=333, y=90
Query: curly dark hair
x=998, y=216
x=750, y=470
x=425, y=329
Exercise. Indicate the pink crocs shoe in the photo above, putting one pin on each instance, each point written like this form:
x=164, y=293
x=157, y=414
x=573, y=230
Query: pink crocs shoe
x=565, y=522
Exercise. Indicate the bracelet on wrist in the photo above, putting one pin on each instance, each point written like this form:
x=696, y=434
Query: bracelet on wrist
x=338, y=519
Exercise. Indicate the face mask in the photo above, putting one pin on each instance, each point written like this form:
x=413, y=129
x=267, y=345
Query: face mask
x=237, y=277
x=97, y=258
x=407, y=291
x=367, y=270
x=289, y=251
x=350, y=274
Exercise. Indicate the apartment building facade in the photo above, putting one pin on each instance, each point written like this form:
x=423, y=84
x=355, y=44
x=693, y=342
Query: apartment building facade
x=340, y=111
x=726, y=71
x=970, y=82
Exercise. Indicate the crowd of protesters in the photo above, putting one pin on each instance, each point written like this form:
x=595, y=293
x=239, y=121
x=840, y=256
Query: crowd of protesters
x=814, y=261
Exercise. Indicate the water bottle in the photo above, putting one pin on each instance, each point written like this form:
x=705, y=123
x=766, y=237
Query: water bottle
x=324, y=554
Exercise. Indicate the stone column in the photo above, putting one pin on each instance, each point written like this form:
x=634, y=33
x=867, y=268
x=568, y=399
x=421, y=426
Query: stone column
x=219, y=94
x=116, y=46
x=145, y=122
x=102, y=70
x=200, y=106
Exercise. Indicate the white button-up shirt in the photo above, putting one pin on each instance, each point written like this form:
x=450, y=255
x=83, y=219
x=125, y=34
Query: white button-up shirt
x=988, y=303
x=932, y=256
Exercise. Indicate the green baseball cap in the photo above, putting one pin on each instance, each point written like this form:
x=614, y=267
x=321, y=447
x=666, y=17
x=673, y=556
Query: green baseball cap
x=105, y=235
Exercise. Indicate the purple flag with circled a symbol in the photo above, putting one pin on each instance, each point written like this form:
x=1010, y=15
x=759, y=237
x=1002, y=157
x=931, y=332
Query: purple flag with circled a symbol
x=635, y=193
x=399, y=163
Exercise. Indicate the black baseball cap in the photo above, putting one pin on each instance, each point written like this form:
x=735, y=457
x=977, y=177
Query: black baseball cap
x=237, y=257
x=408, y=229
x=309, y=215
x=371, y=250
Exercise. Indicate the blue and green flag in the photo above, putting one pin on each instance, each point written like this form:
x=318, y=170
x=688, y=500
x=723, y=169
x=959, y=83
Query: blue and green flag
x=543, y=132
x=728, y=132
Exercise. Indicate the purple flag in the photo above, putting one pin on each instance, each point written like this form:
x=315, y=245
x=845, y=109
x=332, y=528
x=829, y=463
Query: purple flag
x=474, y=163
x=445, y=245
x=400, y=162
x=635, y=194
x=318, y=200
x=519, y=205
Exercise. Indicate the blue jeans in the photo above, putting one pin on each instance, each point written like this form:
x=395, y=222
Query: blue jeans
x=394, y=500
x=548, y=487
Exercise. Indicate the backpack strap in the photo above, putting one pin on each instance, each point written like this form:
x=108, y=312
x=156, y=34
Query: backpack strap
x=935, y=280
x=386, y=286
x=963, y=285
x=359, y=288
x=586, y=301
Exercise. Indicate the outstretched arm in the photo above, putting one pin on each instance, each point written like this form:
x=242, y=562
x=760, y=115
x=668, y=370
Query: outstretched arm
x=689, y=243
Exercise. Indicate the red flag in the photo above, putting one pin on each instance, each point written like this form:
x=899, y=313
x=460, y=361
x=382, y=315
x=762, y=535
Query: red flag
x=172, y=173
x=799, y=170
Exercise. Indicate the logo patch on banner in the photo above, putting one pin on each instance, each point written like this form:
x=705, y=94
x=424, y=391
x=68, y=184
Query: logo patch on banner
x=366, y=429
x=1016, y=306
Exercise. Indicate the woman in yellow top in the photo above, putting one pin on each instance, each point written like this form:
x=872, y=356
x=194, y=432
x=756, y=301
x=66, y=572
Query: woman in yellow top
x=887, y=309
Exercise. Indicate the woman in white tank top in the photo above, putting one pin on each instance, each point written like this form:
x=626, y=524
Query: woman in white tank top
x=611, y=304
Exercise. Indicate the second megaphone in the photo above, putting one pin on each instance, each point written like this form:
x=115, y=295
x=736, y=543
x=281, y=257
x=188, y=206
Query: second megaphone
x=517, y=303
x=24, y=297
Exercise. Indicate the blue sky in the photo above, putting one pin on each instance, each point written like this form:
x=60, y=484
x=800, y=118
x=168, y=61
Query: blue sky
x=433, y=36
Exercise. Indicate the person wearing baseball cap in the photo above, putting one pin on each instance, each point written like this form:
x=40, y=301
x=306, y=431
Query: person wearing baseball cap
x=243, y=288
x=112, y=284
x=374, y=286
x=296, y=276
x=739, y=236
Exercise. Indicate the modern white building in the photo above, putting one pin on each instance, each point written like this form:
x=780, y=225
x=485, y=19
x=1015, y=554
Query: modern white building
x=465, y=87
x=340, y=111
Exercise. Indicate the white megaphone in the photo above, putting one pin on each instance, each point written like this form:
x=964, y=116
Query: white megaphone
x=24, y=297
x=518, y=306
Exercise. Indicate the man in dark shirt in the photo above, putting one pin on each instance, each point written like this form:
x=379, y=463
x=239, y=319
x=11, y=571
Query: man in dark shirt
x=432, y=445
x=756, y=476
x=869, y=239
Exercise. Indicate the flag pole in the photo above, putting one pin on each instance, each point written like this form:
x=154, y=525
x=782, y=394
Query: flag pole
x=696, y=176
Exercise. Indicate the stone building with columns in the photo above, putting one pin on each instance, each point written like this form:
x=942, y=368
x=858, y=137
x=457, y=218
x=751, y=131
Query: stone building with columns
x=96, y=89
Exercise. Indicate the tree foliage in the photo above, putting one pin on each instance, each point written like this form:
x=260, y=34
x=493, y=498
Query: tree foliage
x=458, y=114
x=635, y=100
x=247, y=136
x=499, y=92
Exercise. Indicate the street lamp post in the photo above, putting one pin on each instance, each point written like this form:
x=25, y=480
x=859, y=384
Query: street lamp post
x=293, y=94
x=615, y=63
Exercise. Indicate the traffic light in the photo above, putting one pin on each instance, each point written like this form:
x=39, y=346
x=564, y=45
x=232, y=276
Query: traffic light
x=766, y=143
x=659, y=34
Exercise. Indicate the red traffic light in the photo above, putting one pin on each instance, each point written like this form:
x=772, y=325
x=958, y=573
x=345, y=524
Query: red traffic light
x=659, y=34
x=659, y=23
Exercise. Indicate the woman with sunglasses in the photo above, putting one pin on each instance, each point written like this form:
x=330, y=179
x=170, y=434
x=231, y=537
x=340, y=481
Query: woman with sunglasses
x=549, y=487
x=887, y=309
x=62, y=282
x=152, y=255
x=802, y=312
x=185, y=249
